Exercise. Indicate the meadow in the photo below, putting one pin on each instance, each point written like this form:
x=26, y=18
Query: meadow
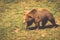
x=11, y=21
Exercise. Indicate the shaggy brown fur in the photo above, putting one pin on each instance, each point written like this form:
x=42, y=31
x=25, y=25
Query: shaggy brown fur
x=37, y=16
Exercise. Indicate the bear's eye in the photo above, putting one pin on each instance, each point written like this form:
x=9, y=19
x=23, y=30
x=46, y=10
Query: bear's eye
x=29, y=16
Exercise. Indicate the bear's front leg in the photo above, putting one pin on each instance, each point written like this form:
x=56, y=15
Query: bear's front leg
x=27, y=27
x=44, y=21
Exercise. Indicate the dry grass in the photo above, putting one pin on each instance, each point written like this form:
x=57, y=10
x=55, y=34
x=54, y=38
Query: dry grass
x=12, y=27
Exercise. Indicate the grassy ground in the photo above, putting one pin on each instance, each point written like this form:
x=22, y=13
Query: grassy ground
x=12, y=27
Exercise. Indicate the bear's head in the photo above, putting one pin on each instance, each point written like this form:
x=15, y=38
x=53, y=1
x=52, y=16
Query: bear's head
x=28, y=20
x=29, y=17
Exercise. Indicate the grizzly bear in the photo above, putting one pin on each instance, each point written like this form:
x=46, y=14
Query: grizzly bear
x=36, y=16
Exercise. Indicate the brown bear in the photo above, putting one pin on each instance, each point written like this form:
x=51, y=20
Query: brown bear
x=36, y=16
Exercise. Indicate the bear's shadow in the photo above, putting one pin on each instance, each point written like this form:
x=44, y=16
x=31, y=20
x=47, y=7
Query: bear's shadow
x=48, y=26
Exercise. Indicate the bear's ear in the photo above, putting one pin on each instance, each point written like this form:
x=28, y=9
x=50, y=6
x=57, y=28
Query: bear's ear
x=24, y=14
x=33, y=11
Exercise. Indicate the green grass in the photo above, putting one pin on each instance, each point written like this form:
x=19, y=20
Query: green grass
x=12, y=27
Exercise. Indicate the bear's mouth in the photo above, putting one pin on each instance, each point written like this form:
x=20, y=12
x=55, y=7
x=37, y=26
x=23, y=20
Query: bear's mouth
x=28, y=23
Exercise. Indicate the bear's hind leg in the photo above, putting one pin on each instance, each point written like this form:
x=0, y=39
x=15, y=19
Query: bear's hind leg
x=53, y=22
